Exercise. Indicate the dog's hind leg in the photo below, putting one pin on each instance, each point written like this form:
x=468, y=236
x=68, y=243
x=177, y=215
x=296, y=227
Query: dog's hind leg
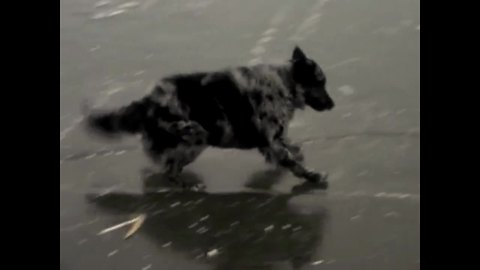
x=173, y=145
x=176, y=159
x=193, y=142
x=282, y=156
x=190, y=132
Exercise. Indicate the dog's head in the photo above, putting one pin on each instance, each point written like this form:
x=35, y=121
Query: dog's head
x=310, y=77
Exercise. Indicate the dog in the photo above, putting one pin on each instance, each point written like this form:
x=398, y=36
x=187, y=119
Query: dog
x=247, y=107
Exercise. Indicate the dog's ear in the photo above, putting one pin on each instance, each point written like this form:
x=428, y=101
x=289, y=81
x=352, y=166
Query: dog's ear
x=298, y=55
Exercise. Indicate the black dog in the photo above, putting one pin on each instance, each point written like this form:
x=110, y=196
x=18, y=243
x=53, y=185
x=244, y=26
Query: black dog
x=243, y=108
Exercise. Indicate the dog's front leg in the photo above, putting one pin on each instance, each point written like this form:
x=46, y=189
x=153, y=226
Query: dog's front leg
x=294, y=149
x=278, y=153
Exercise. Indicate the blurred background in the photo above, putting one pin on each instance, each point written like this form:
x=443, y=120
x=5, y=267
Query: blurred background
x=112, y=52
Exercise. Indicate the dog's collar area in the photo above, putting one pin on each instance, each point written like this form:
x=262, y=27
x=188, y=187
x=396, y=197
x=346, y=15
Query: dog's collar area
x=297, y=96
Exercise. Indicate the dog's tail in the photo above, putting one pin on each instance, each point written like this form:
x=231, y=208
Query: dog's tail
x=127, y=120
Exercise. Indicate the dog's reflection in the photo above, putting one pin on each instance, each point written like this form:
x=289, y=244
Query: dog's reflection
x=250, y=230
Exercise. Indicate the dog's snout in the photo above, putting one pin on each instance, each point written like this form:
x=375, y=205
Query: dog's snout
x=328, y=103
x=331, y=104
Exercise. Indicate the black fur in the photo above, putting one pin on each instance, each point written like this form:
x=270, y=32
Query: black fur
x=244, y=108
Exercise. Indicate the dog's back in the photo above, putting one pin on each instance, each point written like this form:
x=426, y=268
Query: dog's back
x=232, y=105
